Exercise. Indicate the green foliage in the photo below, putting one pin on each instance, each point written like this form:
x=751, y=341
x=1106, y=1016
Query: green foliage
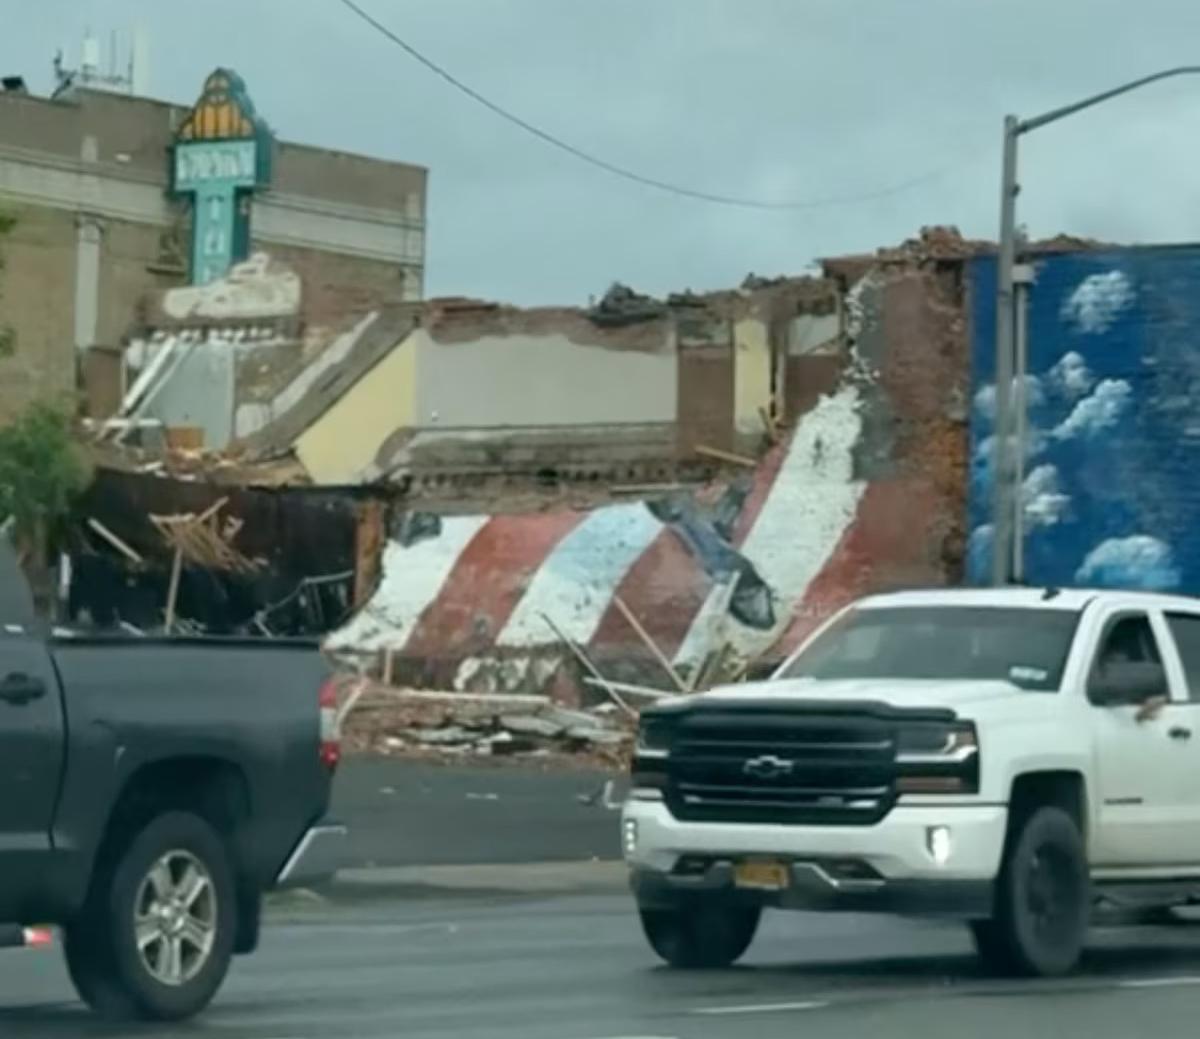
x=41, y=473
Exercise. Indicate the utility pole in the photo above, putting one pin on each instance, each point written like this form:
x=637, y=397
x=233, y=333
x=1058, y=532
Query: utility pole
x=1002, y=468
x=1010, y=369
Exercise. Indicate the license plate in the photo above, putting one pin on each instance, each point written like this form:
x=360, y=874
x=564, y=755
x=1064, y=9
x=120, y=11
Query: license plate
x=765, y=875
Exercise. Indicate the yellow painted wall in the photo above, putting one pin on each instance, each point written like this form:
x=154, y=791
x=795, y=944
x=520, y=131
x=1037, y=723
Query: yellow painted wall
x=751, y=375
x=345, y=440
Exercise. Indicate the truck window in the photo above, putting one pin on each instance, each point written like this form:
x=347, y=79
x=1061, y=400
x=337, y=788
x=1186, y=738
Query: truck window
x=1185, y=628
x=1128, y=639
x=1025, y=647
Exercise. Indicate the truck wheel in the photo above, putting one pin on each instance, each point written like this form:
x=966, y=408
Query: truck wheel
x=1042, y=901
x=701, y=934
x=156, y=936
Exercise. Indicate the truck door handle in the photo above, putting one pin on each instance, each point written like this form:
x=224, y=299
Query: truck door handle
x=1179, y=732
x=19, y=689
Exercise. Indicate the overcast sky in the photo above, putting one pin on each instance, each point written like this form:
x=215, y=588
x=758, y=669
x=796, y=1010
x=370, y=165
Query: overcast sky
x=783, y=100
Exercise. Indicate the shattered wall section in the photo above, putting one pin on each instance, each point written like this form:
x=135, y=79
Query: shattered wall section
x=304, y=537
x=864, y=491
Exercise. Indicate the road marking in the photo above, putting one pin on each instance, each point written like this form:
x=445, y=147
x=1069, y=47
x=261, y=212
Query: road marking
x=763, y=1008
x=1160, y=982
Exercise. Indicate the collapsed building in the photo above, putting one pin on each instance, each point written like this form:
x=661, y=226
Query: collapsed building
x=501, y=487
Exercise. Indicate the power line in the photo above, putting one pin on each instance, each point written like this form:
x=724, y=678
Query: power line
x=620, y=171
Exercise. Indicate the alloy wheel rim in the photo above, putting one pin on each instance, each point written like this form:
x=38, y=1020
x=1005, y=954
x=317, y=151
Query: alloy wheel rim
x=175, y=918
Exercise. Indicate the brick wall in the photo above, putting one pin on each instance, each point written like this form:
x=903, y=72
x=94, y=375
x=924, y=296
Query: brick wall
x=705, y=397
x=336, y=285
x=39, y=251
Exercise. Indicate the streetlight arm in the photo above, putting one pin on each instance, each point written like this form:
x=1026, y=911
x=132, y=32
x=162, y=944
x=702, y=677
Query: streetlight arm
x=1025, y=125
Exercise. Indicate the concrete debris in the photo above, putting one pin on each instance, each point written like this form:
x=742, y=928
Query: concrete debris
x=565, y=717
x=393, y=722
x=594, y=734
x=621, y=305
x=530, y=725
x=450, y=734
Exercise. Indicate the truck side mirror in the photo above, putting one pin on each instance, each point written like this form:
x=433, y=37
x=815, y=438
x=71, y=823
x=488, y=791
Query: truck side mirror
x=1125, y=682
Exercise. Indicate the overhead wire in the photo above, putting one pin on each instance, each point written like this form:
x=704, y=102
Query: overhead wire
x=621, y=171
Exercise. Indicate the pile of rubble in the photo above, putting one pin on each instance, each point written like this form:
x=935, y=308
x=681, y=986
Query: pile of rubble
x=412, y=724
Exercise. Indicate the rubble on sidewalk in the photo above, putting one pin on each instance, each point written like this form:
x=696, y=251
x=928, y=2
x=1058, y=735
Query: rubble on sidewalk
x=450, y=726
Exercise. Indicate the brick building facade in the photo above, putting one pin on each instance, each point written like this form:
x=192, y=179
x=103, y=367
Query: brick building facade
x=87, y=176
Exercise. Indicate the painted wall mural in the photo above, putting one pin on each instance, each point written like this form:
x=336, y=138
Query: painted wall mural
x=1110, y=496
x=474, y=591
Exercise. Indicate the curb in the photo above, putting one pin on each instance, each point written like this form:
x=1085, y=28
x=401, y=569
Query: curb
x=527, y=880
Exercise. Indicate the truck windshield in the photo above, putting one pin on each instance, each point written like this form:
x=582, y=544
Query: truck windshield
x=1025, y=647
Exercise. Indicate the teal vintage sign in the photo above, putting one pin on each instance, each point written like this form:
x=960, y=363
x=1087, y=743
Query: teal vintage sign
x=222, y=154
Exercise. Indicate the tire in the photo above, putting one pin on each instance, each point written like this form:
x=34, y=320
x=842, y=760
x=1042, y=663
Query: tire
x=991, y=946
x=701, y=934
x=157, y=932
x=1043, y=901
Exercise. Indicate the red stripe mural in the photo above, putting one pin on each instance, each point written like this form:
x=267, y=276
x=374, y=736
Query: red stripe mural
x=466, y=605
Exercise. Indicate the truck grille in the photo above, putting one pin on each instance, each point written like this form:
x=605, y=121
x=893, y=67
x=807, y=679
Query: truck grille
x=798, y=768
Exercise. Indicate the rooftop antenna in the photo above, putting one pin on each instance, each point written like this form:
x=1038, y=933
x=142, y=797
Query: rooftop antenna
x=89, y=58
x=139, y=62
x=91, y=71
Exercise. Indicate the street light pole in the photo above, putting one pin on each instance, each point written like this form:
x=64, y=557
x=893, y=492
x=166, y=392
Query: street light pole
x=1002, y=469
x=1010, y=368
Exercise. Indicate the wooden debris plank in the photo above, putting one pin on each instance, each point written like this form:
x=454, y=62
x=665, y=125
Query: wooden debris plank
x=644, y=635
x=629, y=688
x=116, y=542
x=173, y=589
x=586, y=661
x=725, y=456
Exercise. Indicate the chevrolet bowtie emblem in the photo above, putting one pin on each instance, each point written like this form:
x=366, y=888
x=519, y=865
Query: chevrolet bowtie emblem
x=768, y=767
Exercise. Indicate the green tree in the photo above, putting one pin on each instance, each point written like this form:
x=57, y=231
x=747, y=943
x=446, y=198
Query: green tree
x=8, y=338
x=42, y=471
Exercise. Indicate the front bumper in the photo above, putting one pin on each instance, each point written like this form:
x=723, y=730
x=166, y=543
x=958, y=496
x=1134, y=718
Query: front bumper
x=318, y=856
x=887, y=867
x=813, y=888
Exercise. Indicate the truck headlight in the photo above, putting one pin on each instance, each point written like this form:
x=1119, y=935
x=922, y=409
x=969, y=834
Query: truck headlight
x=937, y=759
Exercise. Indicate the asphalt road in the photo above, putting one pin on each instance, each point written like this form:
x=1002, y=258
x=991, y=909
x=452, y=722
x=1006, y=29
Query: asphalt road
x=576, y=968
x=403, y=813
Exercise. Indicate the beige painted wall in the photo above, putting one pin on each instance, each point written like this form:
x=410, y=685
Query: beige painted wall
x=751, y=375
x=345, y=440
x=542, y=380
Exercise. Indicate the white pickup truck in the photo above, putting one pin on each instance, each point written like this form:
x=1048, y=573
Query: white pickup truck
x=1010, y=757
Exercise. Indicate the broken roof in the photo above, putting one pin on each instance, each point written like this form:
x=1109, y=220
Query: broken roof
x=375, y=341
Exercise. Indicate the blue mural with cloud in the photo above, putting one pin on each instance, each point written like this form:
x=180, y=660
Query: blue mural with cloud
x=1111, y=495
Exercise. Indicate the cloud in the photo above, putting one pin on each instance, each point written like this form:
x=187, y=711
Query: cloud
x=985, y=450
x=985, y=398
x=490, y=183
x=1094, y=414
x=1070, y=376
x=1097, y=301
x=1042, y=498
x=1137, y=561
x=979, y=552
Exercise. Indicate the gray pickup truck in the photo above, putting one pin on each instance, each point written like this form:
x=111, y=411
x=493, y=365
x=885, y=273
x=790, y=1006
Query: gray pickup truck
x=151, y=790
